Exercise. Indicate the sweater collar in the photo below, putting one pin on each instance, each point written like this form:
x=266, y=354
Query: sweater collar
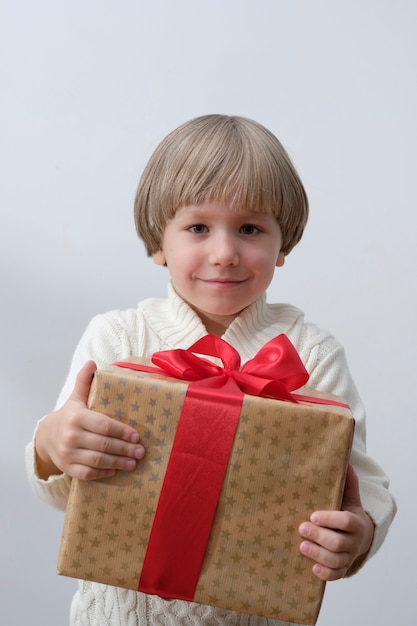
x=177, y=324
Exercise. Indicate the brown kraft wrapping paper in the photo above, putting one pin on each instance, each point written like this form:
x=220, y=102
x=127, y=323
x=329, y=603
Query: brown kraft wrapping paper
x=287, y=460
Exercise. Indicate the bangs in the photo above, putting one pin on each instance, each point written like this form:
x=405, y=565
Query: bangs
x=229, y=167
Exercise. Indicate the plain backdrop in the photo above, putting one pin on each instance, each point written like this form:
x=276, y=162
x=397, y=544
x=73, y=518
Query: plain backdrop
x=87, y=90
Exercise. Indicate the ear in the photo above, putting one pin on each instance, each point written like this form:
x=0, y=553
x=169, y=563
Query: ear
x=280, y=260
x=159, y=258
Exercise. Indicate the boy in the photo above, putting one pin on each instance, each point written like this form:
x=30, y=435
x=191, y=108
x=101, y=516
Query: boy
x=221, y=205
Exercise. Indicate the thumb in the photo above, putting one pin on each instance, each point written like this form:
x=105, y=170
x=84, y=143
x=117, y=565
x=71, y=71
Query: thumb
x=351, y=495
x=83, y=382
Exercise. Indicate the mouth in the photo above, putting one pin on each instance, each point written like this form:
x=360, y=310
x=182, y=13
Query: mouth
x=223, y=282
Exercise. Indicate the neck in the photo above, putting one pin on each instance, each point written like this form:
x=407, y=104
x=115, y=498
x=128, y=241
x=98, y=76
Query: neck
x=216, y=325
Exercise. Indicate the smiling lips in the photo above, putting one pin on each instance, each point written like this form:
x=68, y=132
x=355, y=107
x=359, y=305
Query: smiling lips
x=224, y=282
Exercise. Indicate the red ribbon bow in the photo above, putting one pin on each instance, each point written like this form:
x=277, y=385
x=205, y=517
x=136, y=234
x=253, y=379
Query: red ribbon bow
x=274, y=372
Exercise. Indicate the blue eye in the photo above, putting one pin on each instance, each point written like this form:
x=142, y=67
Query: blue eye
x=198, y=229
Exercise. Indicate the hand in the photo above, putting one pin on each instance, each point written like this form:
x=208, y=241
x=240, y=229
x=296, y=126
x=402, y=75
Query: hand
x=335, y=540
x=83, y=443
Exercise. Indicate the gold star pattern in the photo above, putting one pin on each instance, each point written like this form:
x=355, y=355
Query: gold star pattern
x=289, y=444
x=287, y=460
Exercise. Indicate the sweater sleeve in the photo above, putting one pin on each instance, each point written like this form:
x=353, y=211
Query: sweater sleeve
x=329, y=372
x=106, y=339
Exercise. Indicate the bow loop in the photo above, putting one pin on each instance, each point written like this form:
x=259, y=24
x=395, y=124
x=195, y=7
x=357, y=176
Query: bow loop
x=217, y=347
x=278, y=359
x=185, y=365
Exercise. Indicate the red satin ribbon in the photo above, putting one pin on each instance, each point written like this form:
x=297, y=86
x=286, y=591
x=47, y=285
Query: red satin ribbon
x=190, y=492
x=199, y=456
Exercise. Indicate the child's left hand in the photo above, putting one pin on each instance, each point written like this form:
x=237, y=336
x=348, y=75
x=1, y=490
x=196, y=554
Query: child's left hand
x=334, y=540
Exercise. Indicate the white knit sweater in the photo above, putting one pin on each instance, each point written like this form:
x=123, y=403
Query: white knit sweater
x=158, y=324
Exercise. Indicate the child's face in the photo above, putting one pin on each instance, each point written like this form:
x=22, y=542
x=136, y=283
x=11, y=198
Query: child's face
x=220, y=260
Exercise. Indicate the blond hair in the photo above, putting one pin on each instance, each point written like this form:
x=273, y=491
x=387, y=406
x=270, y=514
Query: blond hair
x=219, y=158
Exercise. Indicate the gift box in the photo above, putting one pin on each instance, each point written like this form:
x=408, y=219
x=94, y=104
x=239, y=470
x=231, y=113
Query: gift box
x=235, y=461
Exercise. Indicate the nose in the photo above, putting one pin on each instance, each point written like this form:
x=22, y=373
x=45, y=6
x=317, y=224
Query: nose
x=224, y=250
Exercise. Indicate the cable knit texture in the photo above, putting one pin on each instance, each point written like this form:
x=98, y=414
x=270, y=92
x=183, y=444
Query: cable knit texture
x=162, y=324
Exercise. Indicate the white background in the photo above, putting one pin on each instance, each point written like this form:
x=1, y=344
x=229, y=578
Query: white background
x=88, y=89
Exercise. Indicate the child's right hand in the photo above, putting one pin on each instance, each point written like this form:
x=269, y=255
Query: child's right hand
x=82, y=443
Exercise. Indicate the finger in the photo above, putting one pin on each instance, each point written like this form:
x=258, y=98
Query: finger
x=327, y=558
x=328, y=574
x=100, y=461
x=110, y=446
x=84, y=472
x=330, y=539
x=328, y=565
x=340, y=521
x=88, y=464
x=102, y=424
x=112, y=428
x=83, y=382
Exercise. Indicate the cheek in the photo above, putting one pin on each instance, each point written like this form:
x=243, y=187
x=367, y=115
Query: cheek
x=180, y=262
x=264, y=259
